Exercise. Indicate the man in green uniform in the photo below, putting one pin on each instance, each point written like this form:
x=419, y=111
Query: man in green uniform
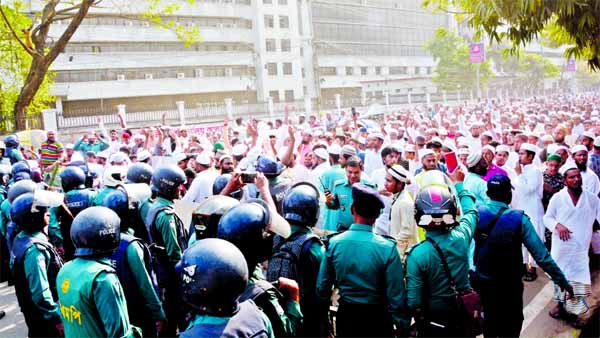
x=340, y=197
x=112, y=178
x=92, y=303
x=429, y=296
x=168, y=240
x=250, y=227
x=370, y=280
x=329, y=177
x=17, y=189
x=36, y=264
x=13, y=152
x=93, y=143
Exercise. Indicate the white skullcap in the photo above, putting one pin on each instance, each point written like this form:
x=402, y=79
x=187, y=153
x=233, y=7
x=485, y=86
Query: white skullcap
x=503, y=148
x=449, y=144
x=69, y=146
x=239, y=149
x=204, y=158
x=348, y=150
x=118, y=157
x=463, y=151
x=398, y=172
x=547, y=138
x=488, y=134
x=143, y=155
x=139, y=137
x=529, y=147
x=490, y=148
x=589, y=134
x=425, y=152
x=578, y=148
x=77, y=157
x=335, y=149
x=321, y=153
x=377, y=135
x=597, y=142
x=566, y=167
x=473, y=159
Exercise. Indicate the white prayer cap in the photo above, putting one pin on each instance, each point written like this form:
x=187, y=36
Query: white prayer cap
x=473, y=159
x=334, y=149
x=239, y=149
x=449, y=144
x=529, y=147
x=503, y=148
x=589, y=134
x=425, y=152
x=348, y=150
x=398, y=172
x=321, y=153
x=118, y=157
x=463, y=151
x=547, y=138
x=488, y=134
x=597, y=142
x=204, y=158
x=410, y=148
x=143, y=155
x=566, y=167
x=490, y=148
x=377, y=135
x=578, y=148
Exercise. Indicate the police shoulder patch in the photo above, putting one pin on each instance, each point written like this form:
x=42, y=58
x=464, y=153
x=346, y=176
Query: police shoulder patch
x=411, y=248
x=339, y=182
x=389, y=238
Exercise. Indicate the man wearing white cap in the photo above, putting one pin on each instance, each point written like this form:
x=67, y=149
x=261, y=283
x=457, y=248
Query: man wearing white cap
x=473, y=182
x=201, y=187
x=587, y=139
x=501, y=157
x=389, y=156
x=322, y=164
x=373, y=153
x=590, y=180
x=570, y=216
x=402, y=224
x=529, y=189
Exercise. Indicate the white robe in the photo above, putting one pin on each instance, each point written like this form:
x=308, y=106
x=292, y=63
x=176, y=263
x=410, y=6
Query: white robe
x=572, y=255
x=527, y=196
x=201, y=187
x=590, y=181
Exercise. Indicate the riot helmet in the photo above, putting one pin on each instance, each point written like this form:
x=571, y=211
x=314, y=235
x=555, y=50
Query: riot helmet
x=95, y=232
x=301, y=204
x=435, y=208
x=11, y=141
x=269, y=166
x=29, y=210
x=20, y=188
x=72, y=178
x=221, y=182
x=206, y=217
x=125, y=202
x=213, y=275
x=166, y=181
x=22, y=176
x=21, y=166
x=140, y=173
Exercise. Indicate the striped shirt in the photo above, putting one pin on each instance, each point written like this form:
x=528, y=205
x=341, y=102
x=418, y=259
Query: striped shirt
x=51, y=152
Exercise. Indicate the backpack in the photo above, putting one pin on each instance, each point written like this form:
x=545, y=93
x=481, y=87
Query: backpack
x=285, y=261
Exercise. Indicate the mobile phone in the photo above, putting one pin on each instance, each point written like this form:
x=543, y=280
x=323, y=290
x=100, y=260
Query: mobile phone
x=451, y=161
x=248, y=177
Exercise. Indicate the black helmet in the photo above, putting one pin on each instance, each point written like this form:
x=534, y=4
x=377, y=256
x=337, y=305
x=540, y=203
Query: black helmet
x=95, y=232
x=435, y=208
x=166, y=181
x=71, y=178
x=206, y=217
x=125, y=201
x=11, y=141
x=301, y=204
x=220, y=183
x=140, y=173
x=29, y=209
x=20, y=188
x=21, y=166
x=214, y=274
x=21, y=176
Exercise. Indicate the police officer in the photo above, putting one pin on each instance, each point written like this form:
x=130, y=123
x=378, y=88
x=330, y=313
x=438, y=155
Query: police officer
x=223, y=184
x=429, y=295
x=278, y=185
x=499, y=235
x=15, y=190
x=168, y=239
x=371, y=284
x=77, y=199
x=13, y=153
x=250, y=227
x=340, y=197
x=36, y=264
x=4, y=254
x=132, y=262
x=301, y=210
x=92, y=302
x=139, y=173
x=206, y=217
x=112, y=178
x=214, y=274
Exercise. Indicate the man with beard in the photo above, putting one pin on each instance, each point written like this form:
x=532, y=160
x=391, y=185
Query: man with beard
x=389, y=156
x=590, y=180
x=559, y=135
x=226, y=164
x=474, y=182
x=201, y=187
x=51, y=152
x=488, y=154
x=570, y=216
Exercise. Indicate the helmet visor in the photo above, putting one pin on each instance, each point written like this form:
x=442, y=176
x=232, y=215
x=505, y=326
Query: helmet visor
x=46, y=199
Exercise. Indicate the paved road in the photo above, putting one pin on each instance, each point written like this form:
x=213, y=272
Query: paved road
x=537, y=300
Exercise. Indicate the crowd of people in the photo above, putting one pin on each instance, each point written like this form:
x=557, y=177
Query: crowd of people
x=424, y=221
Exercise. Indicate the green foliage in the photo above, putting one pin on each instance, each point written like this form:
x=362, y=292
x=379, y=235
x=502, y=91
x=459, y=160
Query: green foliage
x=453, y=68
x=14, y=68
x=158, y=11
x=571, y=22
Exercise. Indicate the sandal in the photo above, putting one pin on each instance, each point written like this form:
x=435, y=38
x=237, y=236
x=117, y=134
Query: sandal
x=530, y=276
x=558, y=312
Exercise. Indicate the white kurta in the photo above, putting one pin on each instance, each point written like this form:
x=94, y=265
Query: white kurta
x=382, y=223
x=372, y=161
x=201, y=187
x=590, y=182
x=527, y=196
x=317, y=173
x=572, y=255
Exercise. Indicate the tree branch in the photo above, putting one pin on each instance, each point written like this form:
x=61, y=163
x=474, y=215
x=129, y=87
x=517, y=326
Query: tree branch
x=68, y=33
x=14, y=34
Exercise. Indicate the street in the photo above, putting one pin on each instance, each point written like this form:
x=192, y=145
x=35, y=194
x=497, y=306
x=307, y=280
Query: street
x=537, y=300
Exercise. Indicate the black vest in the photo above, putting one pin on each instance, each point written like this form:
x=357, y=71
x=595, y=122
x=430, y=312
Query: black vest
x=76, y=202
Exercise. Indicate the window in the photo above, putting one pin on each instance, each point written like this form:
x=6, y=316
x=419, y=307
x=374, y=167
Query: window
x=286, y=45
x=397, y=70
x=274, y=94
x=287, y=68
x=284, y=22
x=327, y=70
x=378, y=70
x=282, y=2
x=268, y=2
x=349, y=71
x=272, y=68
x=363, y=70
x=96, y=49
x=270, y=45
x=417, y=70
x=289, y=95
x=269, y=21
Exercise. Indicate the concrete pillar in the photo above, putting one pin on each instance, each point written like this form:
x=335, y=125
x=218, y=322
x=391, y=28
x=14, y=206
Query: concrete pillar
x=444, y=97
x=307, y=105
x=363, y=97
x=409, y=98
x=121, y=110
x=50, y=119
x=458, y=96
x=270, y=107
x=181, y=110
x=229, y=108
x=427, y=96
x=387, y=100
x=59, y=106
x=338, y=103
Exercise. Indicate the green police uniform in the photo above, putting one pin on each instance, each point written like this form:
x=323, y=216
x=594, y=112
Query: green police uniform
x=54, y=234
x=102, y=193
x=342, y=200
x=329, y=177
x=370, y=283
x=165, y=224
x=91, y=299
x=4, y=216
x=84, y=147
x=427, y=283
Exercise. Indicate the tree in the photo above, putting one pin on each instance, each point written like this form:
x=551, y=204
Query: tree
x=566, y=22
x=35, y=42
x=453, y=69
x=15, y=63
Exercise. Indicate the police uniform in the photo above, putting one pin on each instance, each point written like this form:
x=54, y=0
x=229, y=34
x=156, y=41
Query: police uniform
x=329, y=177
x=342, y=200
x=425, y=274
x=75, y=200
x=102, y=193
x=371, y=284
